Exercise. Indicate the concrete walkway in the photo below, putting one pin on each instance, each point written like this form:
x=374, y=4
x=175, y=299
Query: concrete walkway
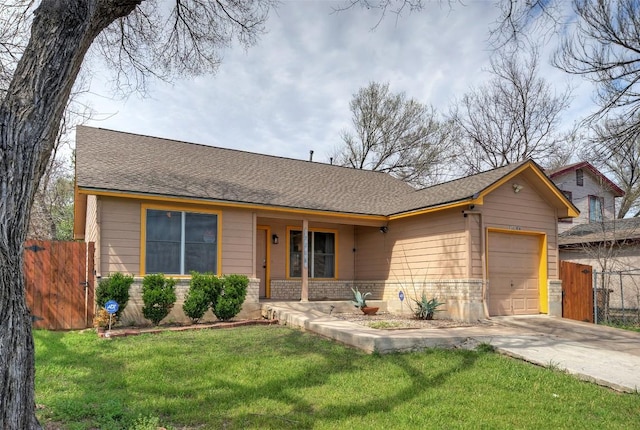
x=606, y=356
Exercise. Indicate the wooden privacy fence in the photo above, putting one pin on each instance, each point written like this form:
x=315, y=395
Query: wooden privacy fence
x=59, y=283
x=577, y=291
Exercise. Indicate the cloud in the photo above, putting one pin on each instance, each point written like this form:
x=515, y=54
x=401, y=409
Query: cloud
x=290, y=93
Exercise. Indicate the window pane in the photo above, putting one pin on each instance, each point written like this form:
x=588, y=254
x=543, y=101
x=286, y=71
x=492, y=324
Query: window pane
x=595, y=209
x=295, y=254
x=323, y=255
x=163, y=241
x=200, y=248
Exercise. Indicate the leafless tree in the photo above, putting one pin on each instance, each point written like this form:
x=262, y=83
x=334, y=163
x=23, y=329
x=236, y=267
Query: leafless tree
x=605, y=48
x=513, y=117
x=39, y=77
x=394, y=134
x=599, y=41
x=618, y=155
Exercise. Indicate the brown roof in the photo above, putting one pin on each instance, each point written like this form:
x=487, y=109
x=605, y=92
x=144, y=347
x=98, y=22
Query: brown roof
x=113, y=161
x=617, y=230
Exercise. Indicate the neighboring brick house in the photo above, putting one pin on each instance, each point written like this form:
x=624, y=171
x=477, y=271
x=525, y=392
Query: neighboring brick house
x=589, y=190
x=484, y=244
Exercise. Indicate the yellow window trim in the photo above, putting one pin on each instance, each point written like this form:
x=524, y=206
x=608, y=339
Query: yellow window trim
x=180, y=208
x=543, y=290
x=311, y=229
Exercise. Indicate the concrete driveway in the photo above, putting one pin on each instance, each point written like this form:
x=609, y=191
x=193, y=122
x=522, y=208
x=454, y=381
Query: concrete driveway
x=606, y=356
x=600, y=354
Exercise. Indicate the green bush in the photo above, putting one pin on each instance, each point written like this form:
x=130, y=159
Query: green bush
x=115, y=287
x=229, y=302
x=199, y=297
x=159, y=296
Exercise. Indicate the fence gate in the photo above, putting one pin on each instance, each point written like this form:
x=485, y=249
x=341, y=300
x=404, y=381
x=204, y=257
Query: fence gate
x=577, y=291
x=59, y=283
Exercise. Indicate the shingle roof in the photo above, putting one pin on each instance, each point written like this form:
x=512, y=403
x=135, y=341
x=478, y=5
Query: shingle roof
x=619, y=229
x=453, y=191
x=109, y=160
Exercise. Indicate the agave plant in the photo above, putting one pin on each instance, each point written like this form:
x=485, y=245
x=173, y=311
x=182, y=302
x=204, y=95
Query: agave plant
x=359, y=299
x=426, y=308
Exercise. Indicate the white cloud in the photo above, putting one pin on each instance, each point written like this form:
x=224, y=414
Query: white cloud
x=291, y=92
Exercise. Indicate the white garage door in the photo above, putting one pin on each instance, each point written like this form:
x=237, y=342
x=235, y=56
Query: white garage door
x=513, y=274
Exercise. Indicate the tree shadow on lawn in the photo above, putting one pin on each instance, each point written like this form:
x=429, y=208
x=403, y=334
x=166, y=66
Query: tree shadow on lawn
x=284, y=400
x=227, y=396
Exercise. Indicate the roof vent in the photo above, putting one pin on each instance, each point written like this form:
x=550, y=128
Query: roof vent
x=311, y=155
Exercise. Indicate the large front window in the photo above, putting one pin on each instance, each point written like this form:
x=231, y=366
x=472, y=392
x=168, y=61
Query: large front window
x=321, y=254
x=178, y=242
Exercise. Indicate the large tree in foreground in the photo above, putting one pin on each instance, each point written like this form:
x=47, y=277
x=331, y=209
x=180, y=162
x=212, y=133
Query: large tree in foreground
x=141, y=40
x=394, y=134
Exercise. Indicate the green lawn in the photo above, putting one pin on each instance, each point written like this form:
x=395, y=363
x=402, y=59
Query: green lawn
x=274, y=377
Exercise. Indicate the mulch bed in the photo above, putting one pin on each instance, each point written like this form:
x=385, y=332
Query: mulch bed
x=134, y=331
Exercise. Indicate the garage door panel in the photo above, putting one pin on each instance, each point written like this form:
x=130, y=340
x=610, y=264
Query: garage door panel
x=513, y=274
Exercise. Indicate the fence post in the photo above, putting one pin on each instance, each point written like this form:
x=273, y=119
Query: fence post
x=624, y=317
x=595, y=297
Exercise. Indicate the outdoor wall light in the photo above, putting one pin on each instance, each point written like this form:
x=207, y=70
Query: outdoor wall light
x=274, y=239
x=384, y=229
x=517, y=188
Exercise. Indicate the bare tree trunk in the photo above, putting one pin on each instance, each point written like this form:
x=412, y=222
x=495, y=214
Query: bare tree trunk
x=30, y=115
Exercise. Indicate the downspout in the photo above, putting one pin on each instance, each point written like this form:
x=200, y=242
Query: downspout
x=483, y=259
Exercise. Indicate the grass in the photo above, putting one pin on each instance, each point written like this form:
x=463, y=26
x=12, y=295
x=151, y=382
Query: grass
x=383, y=325
x=621, y=325
x=275, y=377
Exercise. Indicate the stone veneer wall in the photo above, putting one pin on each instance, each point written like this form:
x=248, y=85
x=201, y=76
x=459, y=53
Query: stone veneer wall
x=132, y=315
x=554, y=289
x=462, y=297
x=289, y=289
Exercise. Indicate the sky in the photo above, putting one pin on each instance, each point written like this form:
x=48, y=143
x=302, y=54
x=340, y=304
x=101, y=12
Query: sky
x=290, y=93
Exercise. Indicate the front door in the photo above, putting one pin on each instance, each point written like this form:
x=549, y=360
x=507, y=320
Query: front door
x=261, y=260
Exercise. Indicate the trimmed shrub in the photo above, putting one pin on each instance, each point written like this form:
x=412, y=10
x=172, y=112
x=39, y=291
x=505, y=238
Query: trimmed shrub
x=159, y=296
x=115, y=287
x=198, y=299
x=230, y=300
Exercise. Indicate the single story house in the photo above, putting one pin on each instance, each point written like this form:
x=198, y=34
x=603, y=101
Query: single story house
x=484, y=245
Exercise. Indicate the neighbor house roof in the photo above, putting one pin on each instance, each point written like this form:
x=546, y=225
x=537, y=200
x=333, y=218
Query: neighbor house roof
x=616, y=230
x=109, y=162
x=555, y=173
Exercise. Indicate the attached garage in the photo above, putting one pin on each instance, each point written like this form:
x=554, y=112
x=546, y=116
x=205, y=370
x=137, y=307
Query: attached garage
x=514, y=262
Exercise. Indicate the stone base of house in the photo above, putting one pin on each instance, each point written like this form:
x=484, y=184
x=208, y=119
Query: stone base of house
x=462, y=298
x=132, y=314
x=554, y=288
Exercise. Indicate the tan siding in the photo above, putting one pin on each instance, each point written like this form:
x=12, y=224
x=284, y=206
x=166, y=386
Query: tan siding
x=237, y=242
x=421, y=247
x=371, y=253
x=120, y=236
x=525, y=211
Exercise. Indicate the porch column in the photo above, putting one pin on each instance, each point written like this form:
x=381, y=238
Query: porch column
x=304, y=294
